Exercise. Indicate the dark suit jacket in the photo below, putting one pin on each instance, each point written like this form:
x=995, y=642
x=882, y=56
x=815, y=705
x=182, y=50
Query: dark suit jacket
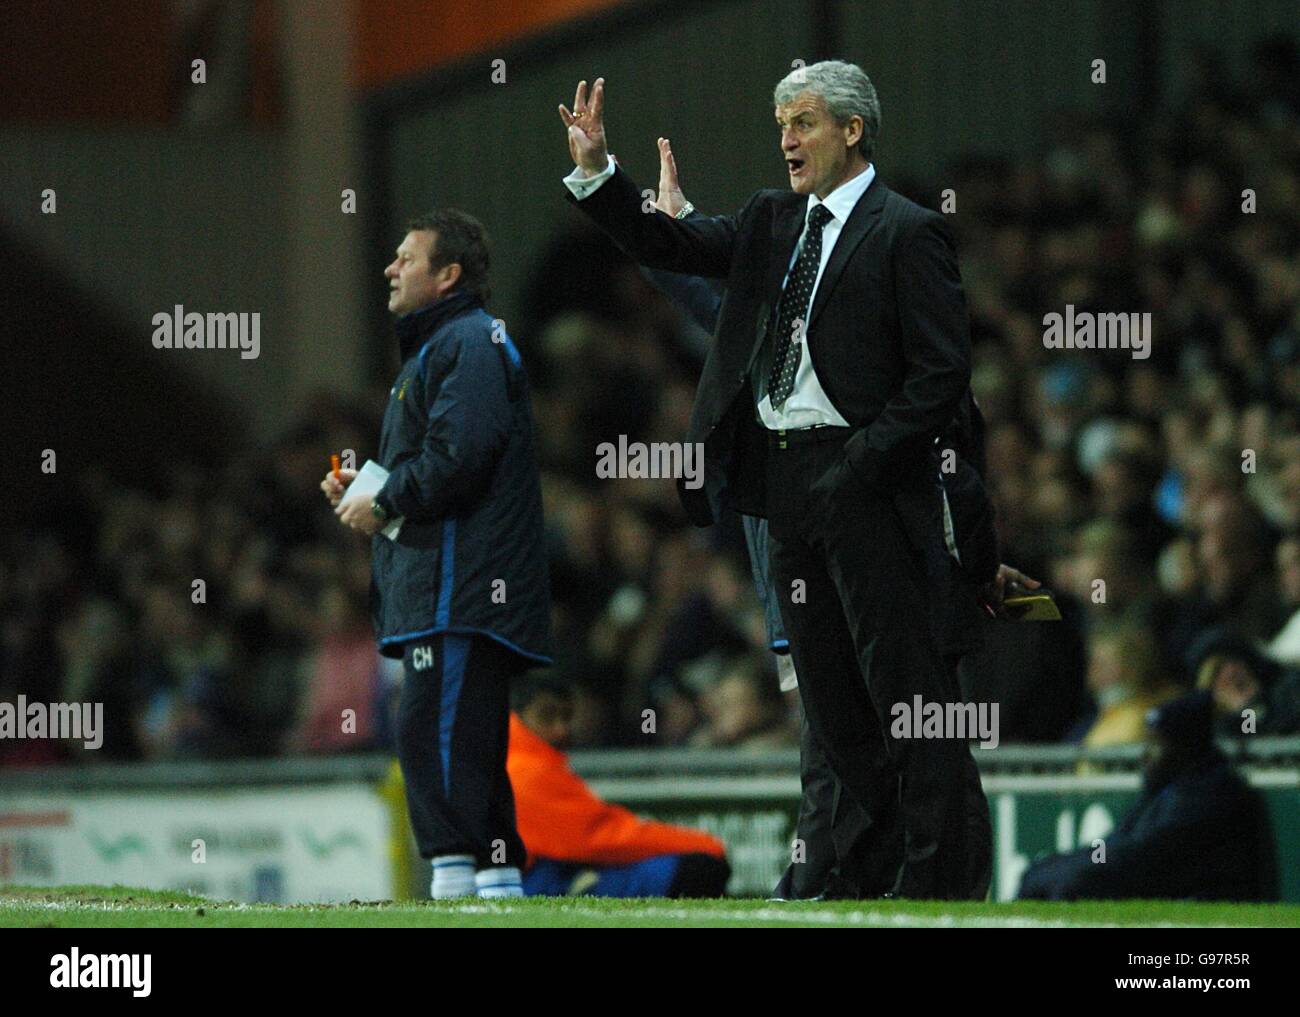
x=888, y=332
x=967, y=497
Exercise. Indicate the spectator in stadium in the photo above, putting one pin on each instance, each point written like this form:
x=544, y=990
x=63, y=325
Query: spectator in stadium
x=1252, y=693
x=1198, y=830
x=1126, y=679
x=578, y=844
x=347, y=700
x=1123, y=487
x=187, y=707
x=746, y=710
x=95, y=643
x=1234, y=551
x=1234, y=587
x=1107, y=550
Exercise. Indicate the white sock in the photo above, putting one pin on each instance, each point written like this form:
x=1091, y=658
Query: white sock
x=453, y=876
x=500, y=881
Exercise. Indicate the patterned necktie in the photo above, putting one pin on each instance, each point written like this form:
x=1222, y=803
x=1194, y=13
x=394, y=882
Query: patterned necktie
x=794, y=305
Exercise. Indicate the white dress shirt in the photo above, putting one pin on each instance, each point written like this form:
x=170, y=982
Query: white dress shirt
x=807, y=405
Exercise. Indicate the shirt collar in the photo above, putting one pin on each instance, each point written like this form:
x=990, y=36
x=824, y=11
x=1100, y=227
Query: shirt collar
x=840, y=201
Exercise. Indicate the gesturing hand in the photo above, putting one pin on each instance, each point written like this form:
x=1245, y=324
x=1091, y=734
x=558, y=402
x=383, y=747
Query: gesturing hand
x=671, y=199
x=586, y=126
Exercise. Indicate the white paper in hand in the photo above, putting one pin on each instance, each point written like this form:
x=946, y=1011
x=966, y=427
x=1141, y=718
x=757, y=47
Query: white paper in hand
x=369, y=480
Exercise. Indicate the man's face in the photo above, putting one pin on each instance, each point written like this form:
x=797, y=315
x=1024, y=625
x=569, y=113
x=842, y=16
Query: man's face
x=550, y=717
x=412, y=283
x=816, y=149
x=1235, y=686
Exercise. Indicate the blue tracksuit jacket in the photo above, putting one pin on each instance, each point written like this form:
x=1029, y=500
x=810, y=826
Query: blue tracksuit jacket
x=459, y=446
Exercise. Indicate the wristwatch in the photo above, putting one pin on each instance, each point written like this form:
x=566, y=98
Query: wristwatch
x=685, y=210
x=377, y=511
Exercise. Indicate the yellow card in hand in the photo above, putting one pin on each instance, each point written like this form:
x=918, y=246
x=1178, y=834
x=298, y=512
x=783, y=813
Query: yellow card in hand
x=1032, y=607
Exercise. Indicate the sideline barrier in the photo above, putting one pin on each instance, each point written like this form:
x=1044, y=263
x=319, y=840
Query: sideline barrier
x=334, y=829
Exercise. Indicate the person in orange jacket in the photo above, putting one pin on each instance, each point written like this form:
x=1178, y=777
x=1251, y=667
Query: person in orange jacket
x=578, y=844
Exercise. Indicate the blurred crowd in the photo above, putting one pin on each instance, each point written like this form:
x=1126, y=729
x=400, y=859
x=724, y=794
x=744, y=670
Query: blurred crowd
x=1158, y=498
x=226, y=616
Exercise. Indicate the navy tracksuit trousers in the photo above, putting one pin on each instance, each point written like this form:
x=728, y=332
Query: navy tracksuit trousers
x=452, y=736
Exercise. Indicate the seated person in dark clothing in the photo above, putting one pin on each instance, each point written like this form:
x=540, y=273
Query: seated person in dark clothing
x=1198, y=831
x=578, y=844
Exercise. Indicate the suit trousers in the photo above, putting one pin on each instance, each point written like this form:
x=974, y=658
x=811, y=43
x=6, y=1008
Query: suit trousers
x=843, y=853
x=856, y=604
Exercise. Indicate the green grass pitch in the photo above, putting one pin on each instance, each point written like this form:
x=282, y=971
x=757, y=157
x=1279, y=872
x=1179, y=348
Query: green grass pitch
x=124, y=907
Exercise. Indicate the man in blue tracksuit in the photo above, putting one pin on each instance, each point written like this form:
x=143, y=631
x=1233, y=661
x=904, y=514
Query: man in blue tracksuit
x=461, y=595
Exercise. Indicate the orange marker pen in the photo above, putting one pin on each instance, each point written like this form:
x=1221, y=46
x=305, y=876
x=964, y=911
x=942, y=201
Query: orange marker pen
x=334, y=462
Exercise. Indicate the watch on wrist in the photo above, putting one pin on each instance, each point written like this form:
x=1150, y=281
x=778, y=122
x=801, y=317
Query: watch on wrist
x=684, y=211
x=377, y=511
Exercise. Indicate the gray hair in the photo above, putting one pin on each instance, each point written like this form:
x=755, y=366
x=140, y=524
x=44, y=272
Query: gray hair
x=846, y=90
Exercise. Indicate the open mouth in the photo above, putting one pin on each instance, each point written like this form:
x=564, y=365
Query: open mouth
x=795, y=166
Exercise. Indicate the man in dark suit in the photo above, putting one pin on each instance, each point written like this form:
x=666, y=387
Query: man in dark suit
x=833, y=834
x=842, y=352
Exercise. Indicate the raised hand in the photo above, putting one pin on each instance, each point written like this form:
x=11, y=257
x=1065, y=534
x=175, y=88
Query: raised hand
x=671, y=199
x=586, y=126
